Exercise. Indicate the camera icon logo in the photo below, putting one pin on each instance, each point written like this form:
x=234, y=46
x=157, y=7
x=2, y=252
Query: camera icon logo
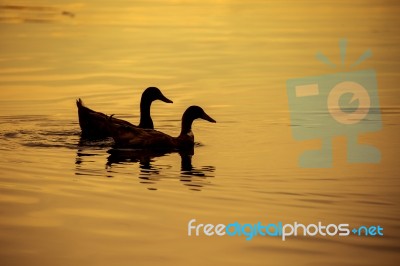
x=326, y=106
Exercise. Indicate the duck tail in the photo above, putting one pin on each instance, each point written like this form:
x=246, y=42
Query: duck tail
x=79, y=103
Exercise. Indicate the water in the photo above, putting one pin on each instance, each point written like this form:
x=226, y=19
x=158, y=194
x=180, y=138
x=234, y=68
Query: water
x=64, y=201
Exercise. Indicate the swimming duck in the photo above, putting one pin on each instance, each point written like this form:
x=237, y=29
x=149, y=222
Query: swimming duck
x=132, y=137
x=95, y=124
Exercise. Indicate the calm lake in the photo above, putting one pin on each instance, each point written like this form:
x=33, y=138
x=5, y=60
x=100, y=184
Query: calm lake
x=65, y=201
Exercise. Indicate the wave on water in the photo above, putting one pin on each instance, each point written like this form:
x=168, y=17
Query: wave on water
x=11, y=13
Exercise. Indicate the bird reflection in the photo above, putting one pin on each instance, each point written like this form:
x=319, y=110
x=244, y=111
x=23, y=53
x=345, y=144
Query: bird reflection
x=149, y=174
x=90, y=151
x=191, y=176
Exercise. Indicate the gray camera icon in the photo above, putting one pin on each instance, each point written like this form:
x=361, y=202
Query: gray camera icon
x=326, y=106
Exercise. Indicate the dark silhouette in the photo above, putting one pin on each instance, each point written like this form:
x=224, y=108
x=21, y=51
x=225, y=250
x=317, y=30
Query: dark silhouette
x=126, y=136
x=94, y=124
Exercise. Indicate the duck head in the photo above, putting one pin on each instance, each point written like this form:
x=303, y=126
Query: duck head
x=152, y=93
x=149, y=95
x=192, y=113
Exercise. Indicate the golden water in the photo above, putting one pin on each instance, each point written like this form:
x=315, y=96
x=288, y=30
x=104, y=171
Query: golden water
x=62, y=203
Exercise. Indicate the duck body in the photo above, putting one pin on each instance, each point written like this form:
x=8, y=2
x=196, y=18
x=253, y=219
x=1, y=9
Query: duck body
x=96, y=124
x=126, y=136
x=137, y=138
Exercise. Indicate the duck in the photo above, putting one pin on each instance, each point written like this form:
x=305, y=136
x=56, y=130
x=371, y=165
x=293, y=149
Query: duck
x=138, y=138
x=94, y=124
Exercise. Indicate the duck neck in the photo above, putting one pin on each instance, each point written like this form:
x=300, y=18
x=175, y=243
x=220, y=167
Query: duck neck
x=186, y=125
x=145, y=118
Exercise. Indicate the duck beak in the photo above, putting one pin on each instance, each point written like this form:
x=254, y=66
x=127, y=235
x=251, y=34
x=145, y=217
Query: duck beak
x=208, y=118
x=165, y=99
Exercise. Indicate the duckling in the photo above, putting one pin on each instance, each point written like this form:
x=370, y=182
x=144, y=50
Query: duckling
x=95, y=124
x=132, y=137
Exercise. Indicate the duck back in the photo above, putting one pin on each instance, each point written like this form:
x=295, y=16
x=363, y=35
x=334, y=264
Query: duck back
x=96, y=124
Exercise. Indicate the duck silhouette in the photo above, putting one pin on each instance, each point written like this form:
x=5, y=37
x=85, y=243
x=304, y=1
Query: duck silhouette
x=96, y=124
x=126, y=136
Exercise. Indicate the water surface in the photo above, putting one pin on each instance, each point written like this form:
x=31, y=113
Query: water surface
x=64, y=201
